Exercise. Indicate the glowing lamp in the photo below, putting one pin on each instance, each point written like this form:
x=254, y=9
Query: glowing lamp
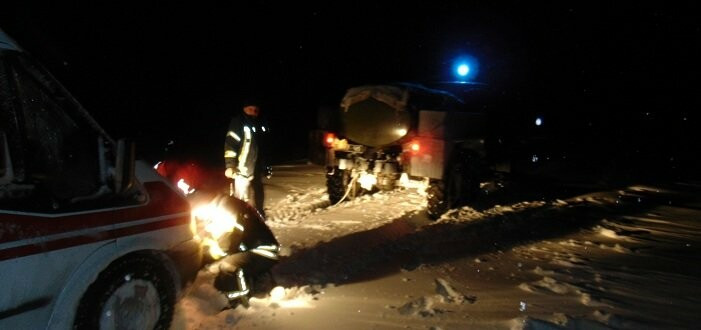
x=415, y=147
x=329, y=138
x=463, y=70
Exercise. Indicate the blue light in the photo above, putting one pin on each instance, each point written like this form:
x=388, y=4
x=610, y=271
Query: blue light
x=463, y=70
x=538, y=121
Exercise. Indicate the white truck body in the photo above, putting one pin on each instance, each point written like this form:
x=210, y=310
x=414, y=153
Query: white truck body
x=49, y=256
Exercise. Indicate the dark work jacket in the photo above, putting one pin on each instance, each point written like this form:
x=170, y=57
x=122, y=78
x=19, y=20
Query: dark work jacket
x=244, y=145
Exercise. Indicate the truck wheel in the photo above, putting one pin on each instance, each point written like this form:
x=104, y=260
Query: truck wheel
x=136, y=292
x=336, y=184
x=460, y=185
x=468, y=173
x=436, y=198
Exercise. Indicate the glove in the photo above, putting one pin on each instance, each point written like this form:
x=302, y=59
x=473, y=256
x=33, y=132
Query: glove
x=230, y=172
x=240, y=187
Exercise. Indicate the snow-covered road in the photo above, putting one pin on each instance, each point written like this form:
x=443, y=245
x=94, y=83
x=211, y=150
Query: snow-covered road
x=522, y=257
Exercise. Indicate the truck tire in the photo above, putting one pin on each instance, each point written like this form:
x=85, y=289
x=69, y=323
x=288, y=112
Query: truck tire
x=336, y=184
x=135, y=292
x=460, y=185
x=437, y=203
x=469, y=171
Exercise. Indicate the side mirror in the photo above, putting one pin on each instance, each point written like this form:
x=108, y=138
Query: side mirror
x=6, y=172
x=124, y=166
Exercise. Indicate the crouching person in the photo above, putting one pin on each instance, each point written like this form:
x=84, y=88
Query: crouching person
x=252, y=251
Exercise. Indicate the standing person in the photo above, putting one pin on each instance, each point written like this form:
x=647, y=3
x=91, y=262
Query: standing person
x=244, y=154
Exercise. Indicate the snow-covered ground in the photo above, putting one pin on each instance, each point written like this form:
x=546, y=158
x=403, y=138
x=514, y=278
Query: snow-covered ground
x=523, y=256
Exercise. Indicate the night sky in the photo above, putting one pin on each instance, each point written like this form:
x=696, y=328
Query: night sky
x=624, y=75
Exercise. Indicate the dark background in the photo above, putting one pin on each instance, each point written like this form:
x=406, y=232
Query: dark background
x=616, y=84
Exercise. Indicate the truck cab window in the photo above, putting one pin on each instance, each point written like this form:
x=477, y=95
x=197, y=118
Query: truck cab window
x=60, y=152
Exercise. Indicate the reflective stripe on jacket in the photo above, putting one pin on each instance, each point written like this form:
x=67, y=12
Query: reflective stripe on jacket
x=242, y=144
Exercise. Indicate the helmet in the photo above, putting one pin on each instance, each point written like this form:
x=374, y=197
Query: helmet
x=251, y=100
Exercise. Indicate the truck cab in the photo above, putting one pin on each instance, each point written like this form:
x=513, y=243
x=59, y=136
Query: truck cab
x=90, y=237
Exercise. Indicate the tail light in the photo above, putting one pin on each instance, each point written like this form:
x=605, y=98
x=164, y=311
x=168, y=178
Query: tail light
x=414, y=147
x=329, y=139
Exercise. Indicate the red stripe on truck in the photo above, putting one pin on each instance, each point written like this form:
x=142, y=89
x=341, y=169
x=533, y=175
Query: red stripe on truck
x=163, y=201
x=63, y=243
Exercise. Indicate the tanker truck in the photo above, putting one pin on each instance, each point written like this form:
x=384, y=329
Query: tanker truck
x=395, y=133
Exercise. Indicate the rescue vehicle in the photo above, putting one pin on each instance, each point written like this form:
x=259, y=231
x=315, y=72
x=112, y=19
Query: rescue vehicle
x=89, y=236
